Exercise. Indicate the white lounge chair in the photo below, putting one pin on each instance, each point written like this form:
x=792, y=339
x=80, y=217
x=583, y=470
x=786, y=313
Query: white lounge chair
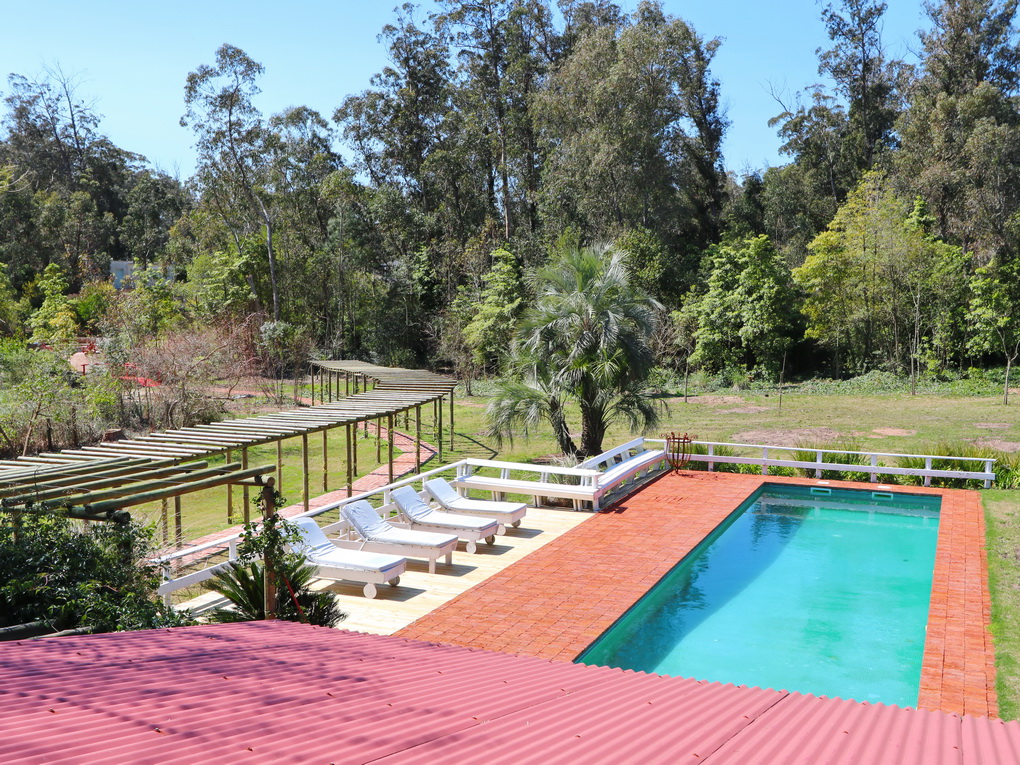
x=422, y=517
x=382, y=536
x=505, y=513
x=340, y=563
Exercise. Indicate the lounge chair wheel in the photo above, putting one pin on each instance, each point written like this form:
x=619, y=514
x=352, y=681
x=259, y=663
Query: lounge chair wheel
x=500, y=530
x=369, y=590
x=394, y=581
x=516, y=524
x=491, y=539
x=471, y=547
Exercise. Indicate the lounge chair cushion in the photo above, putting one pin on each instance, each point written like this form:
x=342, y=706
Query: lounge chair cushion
x=418, y=511
x=319, y=551
x=374, y=529
x=448, y=497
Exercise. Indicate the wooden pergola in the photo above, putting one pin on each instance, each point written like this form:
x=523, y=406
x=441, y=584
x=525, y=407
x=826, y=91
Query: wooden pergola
x=163, y=466
x=103, y=489
x=360, y=374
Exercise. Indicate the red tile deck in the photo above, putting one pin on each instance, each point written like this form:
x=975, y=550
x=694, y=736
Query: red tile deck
x=559, y=599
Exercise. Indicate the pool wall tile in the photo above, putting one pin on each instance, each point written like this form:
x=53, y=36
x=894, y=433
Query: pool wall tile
x=561, y=598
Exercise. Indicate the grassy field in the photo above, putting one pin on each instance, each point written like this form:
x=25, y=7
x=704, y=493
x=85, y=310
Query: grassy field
x=883, y=422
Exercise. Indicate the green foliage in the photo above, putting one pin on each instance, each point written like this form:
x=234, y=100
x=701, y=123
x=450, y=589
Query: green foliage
x=490, y=331
x=747, y=316
x=879, y=289
x=55, y=321
x=44, y=403
x=93, y=577
x=995, y=315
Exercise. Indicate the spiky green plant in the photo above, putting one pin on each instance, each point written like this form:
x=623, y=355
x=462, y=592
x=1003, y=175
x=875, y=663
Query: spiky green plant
x=244, y=586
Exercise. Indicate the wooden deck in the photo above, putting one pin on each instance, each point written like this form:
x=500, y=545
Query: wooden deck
x=421, y=592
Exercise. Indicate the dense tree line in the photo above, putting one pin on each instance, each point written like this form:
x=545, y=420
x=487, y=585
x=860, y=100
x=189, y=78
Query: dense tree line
x=504, y=133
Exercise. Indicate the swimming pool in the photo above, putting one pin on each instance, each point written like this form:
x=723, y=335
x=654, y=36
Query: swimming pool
x=809, y=589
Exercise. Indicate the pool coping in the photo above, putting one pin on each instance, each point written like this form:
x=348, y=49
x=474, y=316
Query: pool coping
x=561, y=598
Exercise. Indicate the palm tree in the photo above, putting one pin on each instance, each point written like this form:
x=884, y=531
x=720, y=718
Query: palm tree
x=585, y=340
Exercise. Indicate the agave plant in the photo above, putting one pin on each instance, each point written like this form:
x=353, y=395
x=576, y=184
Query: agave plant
x=244, y=586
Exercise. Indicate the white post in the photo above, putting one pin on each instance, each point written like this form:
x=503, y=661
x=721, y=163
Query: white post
x=818, y=459
x=711, y=452
x=927, y=466
x=874, y=468
x=988, y=469
x=764, y=456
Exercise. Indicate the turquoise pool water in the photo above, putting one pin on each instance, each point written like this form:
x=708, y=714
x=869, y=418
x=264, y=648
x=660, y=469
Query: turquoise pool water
x=824, y=594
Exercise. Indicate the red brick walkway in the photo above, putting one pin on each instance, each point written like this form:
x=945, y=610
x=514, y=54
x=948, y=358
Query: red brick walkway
x=559, y=599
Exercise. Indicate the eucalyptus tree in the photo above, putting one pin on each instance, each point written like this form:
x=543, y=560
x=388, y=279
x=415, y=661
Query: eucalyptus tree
x=632, y=127
x=585, y=341
x=960, y=133
x=504, y=48
x=834, y=133
x=231, y=137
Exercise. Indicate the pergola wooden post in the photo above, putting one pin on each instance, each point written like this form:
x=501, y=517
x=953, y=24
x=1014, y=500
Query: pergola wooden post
x=389, y=438
x=350, y=475
x=354, y=446
x=325, y=460
x=439, y=432
x=269, y=584
x=311, y=374
x=178, y=522
x=165, y=519
x=347, y=383
x=244, y=493
x=417, y=439
x=304, y=470
x=378, y=439
x=230, y=497
x=451, y=419
x=279, y=462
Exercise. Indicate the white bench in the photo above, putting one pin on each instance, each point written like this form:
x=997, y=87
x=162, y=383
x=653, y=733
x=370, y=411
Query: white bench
x=631, y=460
x=585, y=491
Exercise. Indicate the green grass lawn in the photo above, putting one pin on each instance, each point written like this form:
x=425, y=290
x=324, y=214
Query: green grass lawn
x=886, y=422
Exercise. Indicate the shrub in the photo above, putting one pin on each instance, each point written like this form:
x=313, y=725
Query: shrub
x=75, y=575
x=1005, y=465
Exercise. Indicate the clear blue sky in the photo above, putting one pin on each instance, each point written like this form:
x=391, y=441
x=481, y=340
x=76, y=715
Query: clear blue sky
x=132, y=58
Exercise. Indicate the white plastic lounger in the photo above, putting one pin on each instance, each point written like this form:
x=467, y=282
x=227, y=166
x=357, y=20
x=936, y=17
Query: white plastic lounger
x=382, y=536
x=420, y=516
x=339, y=563
x=506, y=513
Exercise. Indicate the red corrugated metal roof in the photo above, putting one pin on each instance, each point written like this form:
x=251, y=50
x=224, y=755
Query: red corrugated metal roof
x=284, y=692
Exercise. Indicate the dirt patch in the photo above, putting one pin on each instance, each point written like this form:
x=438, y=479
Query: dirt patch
x=893, y=432
x=787, y=437
x=744, y=410
x=992, y=425
x=999, y=445
x=709, y=400
x=472, y=404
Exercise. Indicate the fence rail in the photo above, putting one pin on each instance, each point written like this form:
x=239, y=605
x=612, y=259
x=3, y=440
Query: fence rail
x=873, y=466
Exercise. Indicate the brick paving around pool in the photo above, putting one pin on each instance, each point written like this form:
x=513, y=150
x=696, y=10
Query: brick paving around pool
x=562, y=597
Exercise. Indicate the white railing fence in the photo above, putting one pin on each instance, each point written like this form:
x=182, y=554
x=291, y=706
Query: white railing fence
x=872, y=466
